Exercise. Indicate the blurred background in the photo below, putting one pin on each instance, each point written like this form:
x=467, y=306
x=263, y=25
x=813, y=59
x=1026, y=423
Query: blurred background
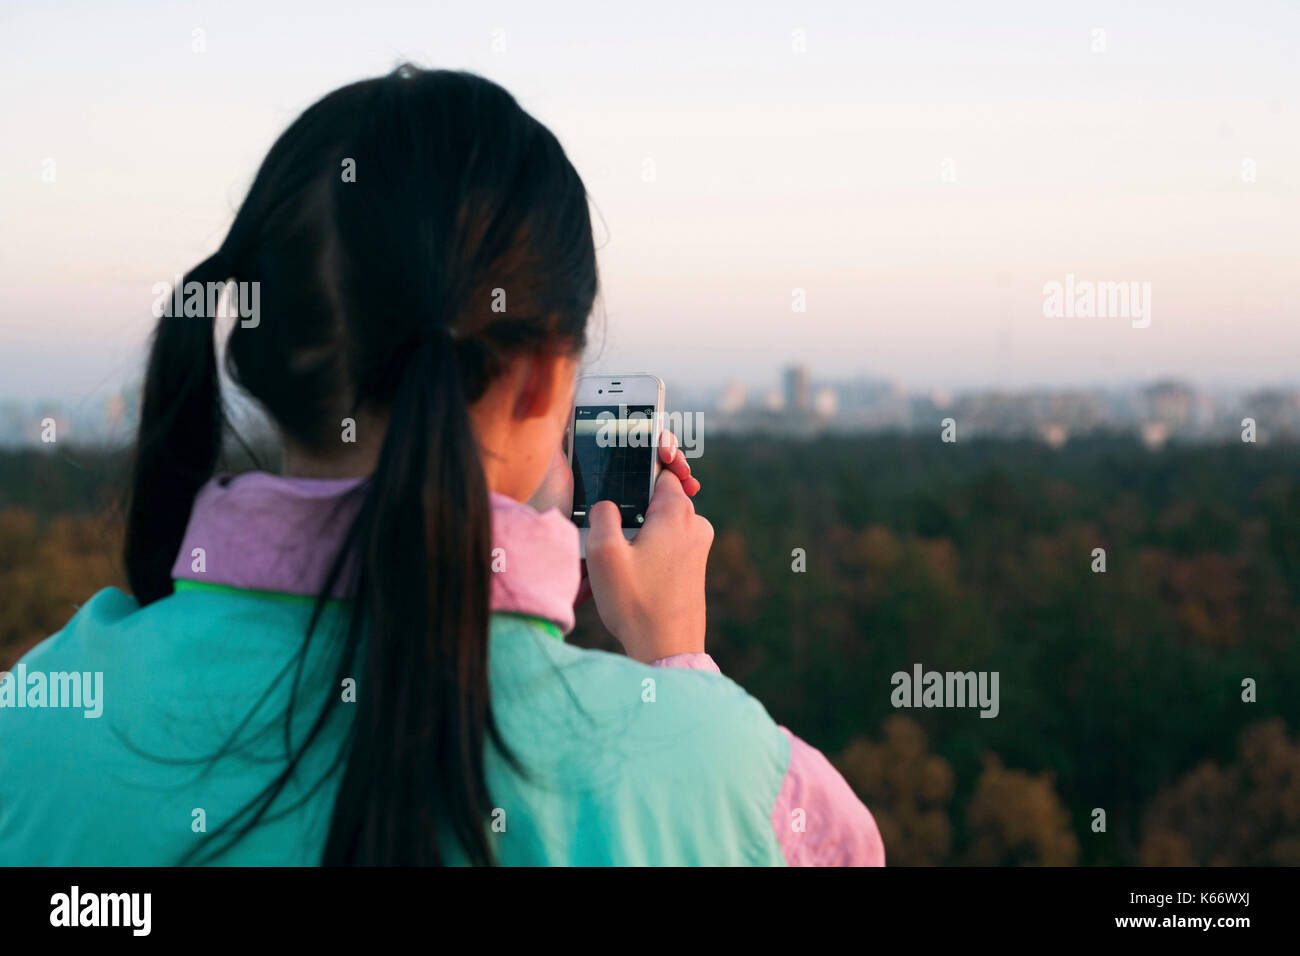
x=829, y=227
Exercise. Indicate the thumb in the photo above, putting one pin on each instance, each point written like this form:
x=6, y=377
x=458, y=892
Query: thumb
x=605, y=530
x=669, y=495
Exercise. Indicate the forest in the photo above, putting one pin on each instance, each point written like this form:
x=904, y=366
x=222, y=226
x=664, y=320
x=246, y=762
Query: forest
x=1147, y=710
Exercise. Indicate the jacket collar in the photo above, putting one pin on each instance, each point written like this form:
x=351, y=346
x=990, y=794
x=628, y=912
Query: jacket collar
x=259, y=531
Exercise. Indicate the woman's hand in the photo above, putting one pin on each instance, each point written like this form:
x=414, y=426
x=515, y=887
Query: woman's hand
x=650, y=591
x=556, y=491
x=673, y=459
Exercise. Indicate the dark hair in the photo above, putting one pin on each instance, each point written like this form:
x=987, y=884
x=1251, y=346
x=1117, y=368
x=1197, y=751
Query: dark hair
x=377, y=292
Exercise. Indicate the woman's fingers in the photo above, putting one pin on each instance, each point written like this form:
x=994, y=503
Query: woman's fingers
x=667, y=446
x=673, y=459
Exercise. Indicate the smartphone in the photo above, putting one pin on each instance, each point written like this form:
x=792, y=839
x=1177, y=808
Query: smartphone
x=614, y=446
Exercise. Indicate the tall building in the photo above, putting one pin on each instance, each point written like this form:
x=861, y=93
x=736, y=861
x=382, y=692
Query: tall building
x=798, y=395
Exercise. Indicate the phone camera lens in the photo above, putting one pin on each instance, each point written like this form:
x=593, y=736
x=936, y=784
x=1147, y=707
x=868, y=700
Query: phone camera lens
x=600, y=391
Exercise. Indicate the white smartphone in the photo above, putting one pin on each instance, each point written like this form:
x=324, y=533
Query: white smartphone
x=614, y=446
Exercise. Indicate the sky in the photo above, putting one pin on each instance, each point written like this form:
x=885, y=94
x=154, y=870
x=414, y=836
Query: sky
x=918, y=171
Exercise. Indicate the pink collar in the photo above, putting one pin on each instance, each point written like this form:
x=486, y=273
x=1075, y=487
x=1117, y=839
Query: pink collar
x=263, y=532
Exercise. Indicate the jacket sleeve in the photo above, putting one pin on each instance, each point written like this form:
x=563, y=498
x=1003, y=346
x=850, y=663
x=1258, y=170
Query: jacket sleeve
x=818, y=819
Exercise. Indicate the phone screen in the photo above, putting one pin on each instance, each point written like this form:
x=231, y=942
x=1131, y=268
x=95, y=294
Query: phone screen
x=613, y=456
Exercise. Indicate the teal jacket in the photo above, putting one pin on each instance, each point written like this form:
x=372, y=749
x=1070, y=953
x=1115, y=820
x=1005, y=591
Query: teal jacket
x=175, y=720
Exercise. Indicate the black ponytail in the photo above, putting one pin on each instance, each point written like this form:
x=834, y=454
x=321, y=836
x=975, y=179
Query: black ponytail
x=425, y=537
x=179, y=438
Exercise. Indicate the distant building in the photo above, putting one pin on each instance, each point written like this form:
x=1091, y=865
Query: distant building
x=798, y=394
x=732, y=399
x=1054, y=434
x=1155, y=434
x=115, y=411
x=1171, y=404
x=867, y=393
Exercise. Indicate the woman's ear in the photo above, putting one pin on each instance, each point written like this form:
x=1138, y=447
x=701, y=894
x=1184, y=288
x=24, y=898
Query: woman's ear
x=543, y=381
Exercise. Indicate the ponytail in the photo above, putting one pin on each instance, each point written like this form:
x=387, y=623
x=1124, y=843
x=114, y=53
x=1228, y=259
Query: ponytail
x=178, y=441
x=424, y=539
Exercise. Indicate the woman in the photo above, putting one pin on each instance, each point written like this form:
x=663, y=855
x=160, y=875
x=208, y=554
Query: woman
x=362, y=661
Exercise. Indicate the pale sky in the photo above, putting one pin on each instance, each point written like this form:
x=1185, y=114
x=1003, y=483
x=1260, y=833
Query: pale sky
x=920, y=170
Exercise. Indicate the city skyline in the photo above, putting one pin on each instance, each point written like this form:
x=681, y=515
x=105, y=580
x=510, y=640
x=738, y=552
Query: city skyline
x=798, y=403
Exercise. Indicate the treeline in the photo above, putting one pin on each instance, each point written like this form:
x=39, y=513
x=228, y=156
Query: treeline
x=1119, y=691
x=839, y=562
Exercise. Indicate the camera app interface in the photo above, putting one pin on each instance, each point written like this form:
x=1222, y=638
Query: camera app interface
x=612, y=460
